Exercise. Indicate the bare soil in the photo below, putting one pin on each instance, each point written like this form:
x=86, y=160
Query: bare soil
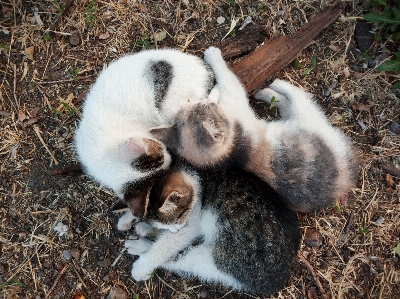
x=353, y=255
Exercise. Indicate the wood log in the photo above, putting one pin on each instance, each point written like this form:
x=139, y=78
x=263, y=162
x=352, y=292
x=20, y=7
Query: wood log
x=254, y=69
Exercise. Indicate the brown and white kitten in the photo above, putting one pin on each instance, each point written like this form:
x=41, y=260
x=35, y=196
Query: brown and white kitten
x=222, y=226
x=302, y=156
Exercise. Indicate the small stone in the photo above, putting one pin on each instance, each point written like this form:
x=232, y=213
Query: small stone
x=31, y=184
x=74, y=39
x=395, y=127
x=313, y=238
x=106, y=278
x=378, y=60
x=5, y=35
x=104, y=263
x=203, y=294
x=220, y=20
x=324, y=265
x=380, y=220
x=67, y=255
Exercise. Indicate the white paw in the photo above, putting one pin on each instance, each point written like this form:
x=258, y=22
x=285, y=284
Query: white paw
x=138, y=246
x=141, y=271
x=267, y=94
x=212, y=54
x=126, y=221
x=287, y=89
x=142, y=229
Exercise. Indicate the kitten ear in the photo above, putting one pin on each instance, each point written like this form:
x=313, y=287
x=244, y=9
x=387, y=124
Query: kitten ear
x=215, y=133
x=162, y=133
x=178, y=194
x=138, y=200
x=133, y=148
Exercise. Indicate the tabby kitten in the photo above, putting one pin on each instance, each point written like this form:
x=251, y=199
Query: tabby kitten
x=223, y=226
x=305, y=159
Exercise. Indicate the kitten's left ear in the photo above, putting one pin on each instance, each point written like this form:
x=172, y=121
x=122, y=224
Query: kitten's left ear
x=138, y=200
x=164, y=133
x=213, y=131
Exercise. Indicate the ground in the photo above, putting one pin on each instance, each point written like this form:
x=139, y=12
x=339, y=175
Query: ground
x=44, y=76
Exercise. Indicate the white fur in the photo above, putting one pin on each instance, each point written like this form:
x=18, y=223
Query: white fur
x=120, y=105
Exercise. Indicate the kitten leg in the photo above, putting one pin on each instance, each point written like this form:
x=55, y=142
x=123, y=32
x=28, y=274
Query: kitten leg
x=279, y=100
x=126, y=221
x=302, y=107
x=138, y=246
x=228, y=83
x=163, y=249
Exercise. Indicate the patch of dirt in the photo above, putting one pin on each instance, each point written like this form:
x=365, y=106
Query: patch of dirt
x=356, y=258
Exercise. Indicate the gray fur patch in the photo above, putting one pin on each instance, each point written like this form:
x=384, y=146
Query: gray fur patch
x=210, y=83
x=161, y=74
x=307, y=178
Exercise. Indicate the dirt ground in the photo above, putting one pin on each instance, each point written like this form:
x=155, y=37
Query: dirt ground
x=46, y=67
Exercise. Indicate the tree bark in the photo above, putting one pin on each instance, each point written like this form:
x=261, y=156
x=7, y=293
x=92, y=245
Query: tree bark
x=263, y=63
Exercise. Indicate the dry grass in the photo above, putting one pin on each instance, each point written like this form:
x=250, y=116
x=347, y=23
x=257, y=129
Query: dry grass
x=355, y=261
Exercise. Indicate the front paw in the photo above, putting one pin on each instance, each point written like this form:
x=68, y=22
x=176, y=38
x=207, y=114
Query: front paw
x=141, y=271
x=138, y=246
x=126, y=221
x=211, y=55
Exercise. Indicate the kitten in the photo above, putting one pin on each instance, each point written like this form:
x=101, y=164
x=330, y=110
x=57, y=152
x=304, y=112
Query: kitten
x=223, y=226
x=305, y=159
x=135, y=93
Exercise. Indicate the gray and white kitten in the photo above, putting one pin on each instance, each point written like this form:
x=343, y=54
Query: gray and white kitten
x=222, y=226
x=135, y=93
x=302, y=156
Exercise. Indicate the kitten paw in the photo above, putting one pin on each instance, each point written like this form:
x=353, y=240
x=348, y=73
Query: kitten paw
x=138, y=246
x=212, y=55
x=126, y=221
x=142, y=229
x=141, y=271
x=267, y=94
x=287, y=89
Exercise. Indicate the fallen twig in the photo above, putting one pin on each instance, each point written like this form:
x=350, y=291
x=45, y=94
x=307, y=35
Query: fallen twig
x=310, y=268
x=37, y=131
x=64, y=11
x=343, y=236
x=57, y=280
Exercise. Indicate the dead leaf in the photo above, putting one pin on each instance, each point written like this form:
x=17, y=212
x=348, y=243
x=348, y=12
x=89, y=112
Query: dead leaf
x=104, y=36
x=117, y=293
x=21, y=116
x=79, y=296
x=34, y=111
x=358, y=75
x=346, y=72
x=389, y=182
x=159, y=36
x=334, y=48
x=363, y=107
x=142, y=8
x=30, y=122
x=312, y=293
x=313, y=238
x=29, y=51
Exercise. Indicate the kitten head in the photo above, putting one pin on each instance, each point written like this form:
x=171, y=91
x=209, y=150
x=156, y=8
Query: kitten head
x=172, y=200
x=202, y=134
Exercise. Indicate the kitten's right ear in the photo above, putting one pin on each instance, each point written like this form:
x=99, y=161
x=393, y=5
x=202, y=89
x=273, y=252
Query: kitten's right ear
x=133, y=148
x=213, y=131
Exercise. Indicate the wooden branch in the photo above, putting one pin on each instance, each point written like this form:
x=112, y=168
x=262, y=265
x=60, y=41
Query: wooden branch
x=278, y=52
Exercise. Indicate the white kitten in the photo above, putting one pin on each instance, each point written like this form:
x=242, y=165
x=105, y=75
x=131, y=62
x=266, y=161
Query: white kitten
x=135, y=93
